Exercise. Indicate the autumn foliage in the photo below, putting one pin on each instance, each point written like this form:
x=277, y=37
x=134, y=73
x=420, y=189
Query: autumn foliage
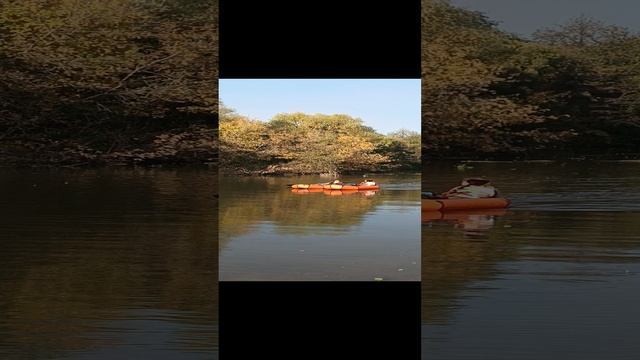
x=298, y=143
x=571, y=91
x=107, y=80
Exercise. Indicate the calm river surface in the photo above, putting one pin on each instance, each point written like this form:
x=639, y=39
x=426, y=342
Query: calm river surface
x=268, y=232
x=555, y=277
x=108, y=264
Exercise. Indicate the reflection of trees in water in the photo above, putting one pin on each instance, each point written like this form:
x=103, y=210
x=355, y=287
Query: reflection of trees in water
x=320, y=210
x=472, y=223
x=247, y=202
x=451, y=262
x=85, y=252
x=292, y=213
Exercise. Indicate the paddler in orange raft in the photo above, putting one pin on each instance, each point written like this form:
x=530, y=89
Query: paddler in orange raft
x=470, y=188
x=472, y=194
x=367, y=184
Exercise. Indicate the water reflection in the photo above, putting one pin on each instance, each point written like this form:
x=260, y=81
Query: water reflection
x=269, y=232
x=472, y=223
x=100, y=263
x=559, y=268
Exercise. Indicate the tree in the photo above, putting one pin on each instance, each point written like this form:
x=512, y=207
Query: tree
x=324, y=143
x=311, y=144
x=580, y=32
x=489, y=94
x=101, y=74
x=466, y=110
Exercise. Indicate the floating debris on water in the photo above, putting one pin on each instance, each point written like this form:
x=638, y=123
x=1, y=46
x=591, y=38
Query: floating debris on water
x=463, y=167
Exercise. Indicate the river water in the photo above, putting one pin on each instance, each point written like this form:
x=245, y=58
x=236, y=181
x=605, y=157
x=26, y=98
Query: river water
x=118, y=263
x=108, y=264
x=557, y=276
x=268, y=232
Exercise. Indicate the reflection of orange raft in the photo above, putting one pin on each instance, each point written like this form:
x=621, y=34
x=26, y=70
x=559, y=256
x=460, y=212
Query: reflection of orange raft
x=460, y=215
x=464, y=204
x=339, y=192
x=334, y=187
x=305, y=191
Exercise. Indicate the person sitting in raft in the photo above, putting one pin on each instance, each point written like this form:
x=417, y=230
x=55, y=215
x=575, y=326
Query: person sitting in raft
x=472, y=188
x=337, y=182
x=367, y=182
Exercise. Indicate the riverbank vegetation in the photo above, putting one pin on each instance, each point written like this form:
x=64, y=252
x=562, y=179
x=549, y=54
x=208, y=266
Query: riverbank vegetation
x=573, y=90
x=117, y=81
x=298, y=143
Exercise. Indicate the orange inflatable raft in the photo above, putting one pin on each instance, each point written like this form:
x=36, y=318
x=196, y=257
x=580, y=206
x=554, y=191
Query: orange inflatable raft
x=464, y=204
x=334, y=187
x=351, y=187
x=332, y=192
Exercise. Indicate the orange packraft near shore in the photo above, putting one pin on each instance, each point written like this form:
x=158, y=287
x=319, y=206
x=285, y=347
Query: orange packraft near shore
x=334, y=187
x=330, y=192
x=464, y=204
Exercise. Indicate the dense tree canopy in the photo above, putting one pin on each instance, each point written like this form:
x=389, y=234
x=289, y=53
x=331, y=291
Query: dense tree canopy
x=308, y=144
x=104, y=79
x=488, y=94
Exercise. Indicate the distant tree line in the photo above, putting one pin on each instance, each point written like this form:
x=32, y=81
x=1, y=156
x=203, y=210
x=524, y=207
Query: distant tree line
x=573, y=90
x=107, y=80
x=298, y=143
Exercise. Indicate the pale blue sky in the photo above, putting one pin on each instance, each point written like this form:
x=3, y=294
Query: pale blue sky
x=384, y=104
x=523, y=17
